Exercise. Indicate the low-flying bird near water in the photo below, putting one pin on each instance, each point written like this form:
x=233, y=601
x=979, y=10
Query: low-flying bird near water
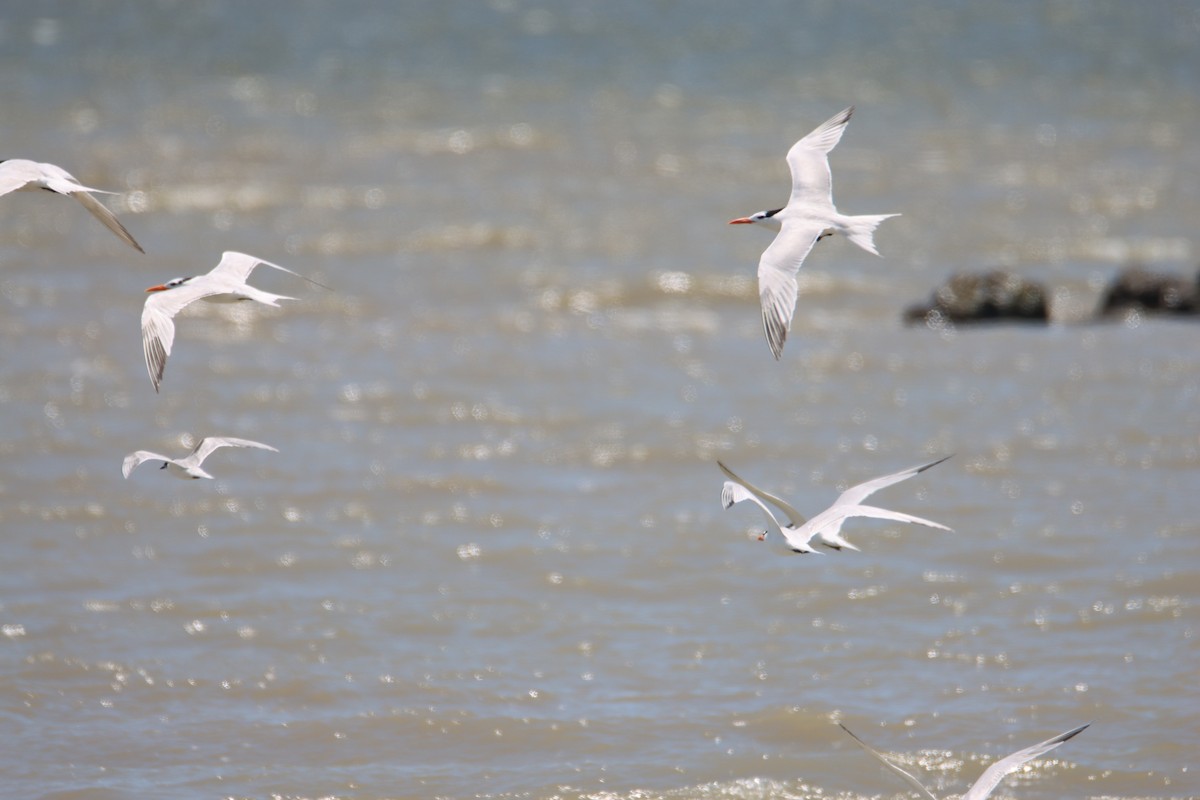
x=22, y=175
x=825, y=528
x=991, y=776
x=188, y=467
x=226, y=283
x=808, y=217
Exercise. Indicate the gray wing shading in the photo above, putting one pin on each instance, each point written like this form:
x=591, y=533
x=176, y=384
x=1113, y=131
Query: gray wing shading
x=16, y=174
x=905, y=776
x=100, y=212
x=992, y=776
x=158, y=324
x=795, y=517
x=777, y=286
x=808, y=160
x=732, y=493
x=883, y=513
x=210, y=443
x=133, y=460
x=856, y=494
x=238, y=266
x=63, y=182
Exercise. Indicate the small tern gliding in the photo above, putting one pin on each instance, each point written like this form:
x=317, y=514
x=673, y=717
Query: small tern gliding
x=189, y=466
x=226, y=283
x=991, y=776
x=22, y=175
x=825, y=528
x=808, y=217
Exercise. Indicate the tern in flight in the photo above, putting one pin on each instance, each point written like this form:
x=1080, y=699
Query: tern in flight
x=226, y=283
x=21, y=175
x=825, y=528
x=991, y=776
x=808, y=217
x=189, y=466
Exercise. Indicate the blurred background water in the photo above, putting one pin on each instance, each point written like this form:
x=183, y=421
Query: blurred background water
x=489, y=559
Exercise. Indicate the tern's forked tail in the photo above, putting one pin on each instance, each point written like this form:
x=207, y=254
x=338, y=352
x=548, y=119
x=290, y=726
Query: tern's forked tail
x=861, y=229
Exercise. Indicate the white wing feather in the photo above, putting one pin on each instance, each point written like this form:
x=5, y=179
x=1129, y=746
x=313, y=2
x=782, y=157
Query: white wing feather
x=856, y=494
x=992, y=776
x=794, y=517
x=777, y=269
x=239, y=266
x=210, y=443
x=906, y=777
x=135, y=459
x=158, y=323
x=808, y=160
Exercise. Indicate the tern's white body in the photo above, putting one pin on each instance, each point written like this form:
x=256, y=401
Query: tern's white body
x=825, y=528
x=188, y=467
x=226, y=283
x=991, y=776
x=21, y=175
x=808, y=217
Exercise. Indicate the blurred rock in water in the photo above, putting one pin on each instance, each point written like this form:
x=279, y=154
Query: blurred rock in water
x=1136, y=288
x=980, y=297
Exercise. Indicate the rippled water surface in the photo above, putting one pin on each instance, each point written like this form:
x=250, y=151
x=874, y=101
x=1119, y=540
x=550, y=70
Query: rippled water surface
x=489, y=558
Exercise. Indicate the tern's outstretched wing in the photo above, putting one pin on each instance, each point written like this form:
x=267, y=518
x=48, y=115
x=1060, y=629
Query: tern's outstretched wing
x=16, y=174
x=992, y=776
x=158, y=324
x=787, y=540
x=777, y=286
x=856, y=494
x=209, y=443
x=732, y=493
x=794, y=517
x=808, y=160
x=906, y=777
x=883, y=513
x=238, y=266
x=100, y=212
x=134, y=459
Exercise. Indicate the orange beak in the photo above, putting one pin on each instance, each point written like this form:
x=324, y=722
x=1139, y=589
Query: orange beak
x=159, y=288
x=741, y=221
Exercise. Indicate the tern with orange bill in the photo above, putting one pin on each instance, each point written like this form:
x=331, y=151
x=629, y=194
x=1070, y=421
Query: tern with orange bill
x=808, y=217
x=799, y=534
x=226, y=283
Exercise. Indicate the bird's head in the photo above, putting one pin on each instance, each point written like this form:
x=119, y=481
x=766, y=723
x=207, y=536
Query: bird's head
x=767, y=217
x=171, y=284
